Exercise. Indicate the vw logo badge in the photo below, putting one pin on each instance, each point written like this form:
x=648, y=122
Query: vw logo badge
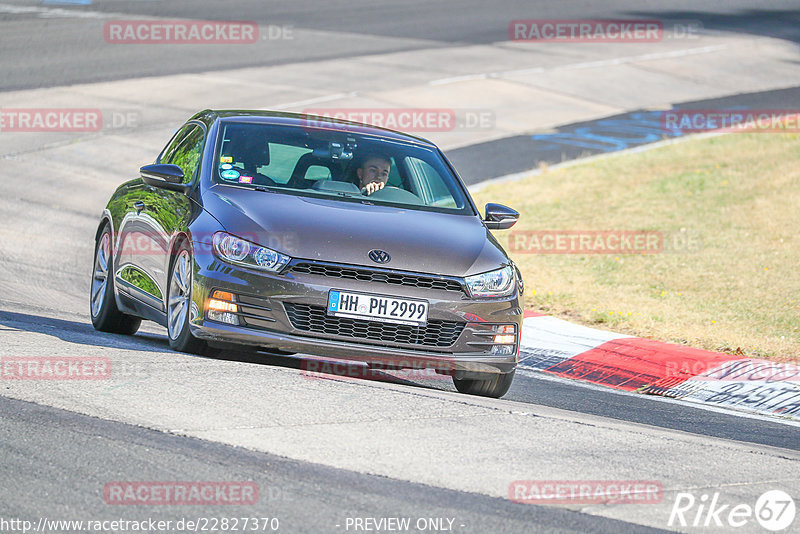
x=379, y=256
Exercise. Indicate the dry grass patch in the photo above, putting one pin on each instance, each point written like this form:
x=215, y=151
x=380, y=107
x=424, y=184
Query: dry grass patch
x=727, y=279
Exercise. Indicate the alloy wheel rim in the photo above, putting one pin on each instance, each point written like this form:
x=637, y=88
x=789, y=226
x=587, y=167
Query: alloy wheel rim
x=100, y=276
x=179, y=293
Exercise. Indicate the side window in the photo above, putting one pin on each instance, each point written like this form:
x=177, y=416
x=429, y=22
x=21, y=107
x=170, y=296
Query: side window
x=185, y=151
x=428, y=184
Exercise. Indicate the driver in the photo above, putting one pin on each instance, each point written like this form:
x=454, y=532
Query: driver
x=373, y=173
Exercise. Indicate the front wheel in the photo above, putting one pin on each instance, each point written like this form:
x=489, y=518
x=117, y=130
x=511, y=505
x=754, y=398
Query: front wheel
x=495, y=385
x=179, y=304
x=106, y=317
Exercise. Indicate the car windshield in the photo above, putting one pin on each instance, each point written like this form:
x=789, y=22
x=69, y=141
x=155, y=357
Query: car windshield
x=341, y=165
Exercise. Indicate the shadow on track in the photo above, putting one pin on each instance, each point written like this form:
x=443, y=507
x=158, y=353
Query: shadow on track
x=337, y=370
x=80, y=332
x=316, y=368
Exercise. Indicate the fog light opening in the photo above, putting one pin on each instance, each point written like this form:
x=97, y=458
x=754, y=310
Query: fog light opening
x=222, y=307
x=505, y=340
x=502, y=350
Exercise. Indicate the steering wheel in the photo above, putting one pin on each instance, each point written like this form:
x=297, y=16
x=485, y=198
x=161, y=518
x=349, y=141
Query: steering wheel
x=391, y=193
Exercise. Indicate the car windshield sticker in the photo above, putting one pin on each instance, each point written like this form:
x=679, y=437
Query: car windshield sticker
x=229, y=175
x=226, y=166
x=226, y=159
x=245, y=179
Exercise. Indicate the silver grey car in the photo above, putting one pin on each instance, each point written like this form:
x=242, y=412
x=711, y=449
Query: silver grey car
x=300, y=234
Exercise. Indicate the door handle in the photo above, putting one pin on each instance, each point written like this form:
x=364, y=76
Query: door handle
x=139, y=206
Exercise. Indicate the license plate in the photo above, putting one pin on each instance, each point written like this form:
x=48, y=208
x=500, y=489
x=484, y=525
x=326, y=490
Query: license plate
x=377, y=308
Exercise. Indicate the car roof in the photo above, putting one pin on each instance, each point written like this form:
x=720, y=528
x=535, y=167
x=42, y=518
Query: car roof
x=209, y=116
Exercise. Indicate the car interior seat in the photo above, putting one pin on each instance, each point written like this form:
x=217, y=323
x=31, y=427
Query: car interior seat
x=298, y=179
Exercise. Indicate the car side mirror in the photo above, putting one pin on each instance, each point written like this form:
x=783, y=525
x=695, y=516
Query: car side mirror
x=499, y=217
x=165, y=176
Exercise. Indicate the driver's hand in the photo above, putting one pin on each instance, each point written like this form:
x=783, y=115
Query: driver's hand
x=372, y=187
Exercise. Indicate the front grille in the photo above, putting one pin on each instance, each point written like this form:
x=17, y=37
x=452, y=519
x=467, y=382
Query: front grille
x=316, y=320
x=371, y=275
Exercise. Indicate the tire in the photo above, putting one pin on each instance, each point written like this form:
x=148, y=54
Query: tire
x=495, y=385
x=106, y=317
x=179, y=304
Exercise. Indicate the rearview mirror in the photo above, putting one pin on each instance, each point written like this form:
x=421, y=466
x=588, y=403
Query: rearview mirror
x=499, y=217
x=165, y=176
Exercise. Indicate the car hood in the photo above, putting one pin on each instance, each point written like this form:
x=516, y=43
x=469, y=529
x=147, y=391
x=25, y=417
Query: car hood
x=344, y=232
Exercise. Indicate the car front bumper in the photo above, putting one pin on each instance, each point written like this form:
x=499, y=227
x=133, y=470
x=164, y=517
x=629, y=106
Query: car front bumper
x=268, y=318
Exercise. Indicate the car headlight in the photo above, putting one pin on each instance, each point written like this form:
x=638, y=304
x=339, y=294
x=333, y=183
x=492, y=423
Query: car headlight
x=499, y=283
x=240, y=252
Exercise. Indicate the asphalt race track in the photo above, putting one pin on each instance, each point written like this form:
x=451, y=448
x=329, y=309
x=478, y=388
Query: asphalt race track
x=325, y=451
x=34, y=55
x=304, y=496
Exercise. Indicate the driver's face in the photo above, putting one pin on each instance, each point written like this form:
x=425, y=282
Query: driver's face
x=374, y=170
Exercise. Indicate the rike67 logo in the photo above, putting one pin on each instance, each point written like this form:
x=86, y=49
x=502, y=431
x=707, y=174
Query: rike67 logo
x=774, y=510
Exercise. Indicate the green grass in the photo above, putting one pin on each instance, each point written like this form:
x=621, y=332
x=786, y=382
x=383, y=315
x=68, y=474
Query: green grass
x=728, y=278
